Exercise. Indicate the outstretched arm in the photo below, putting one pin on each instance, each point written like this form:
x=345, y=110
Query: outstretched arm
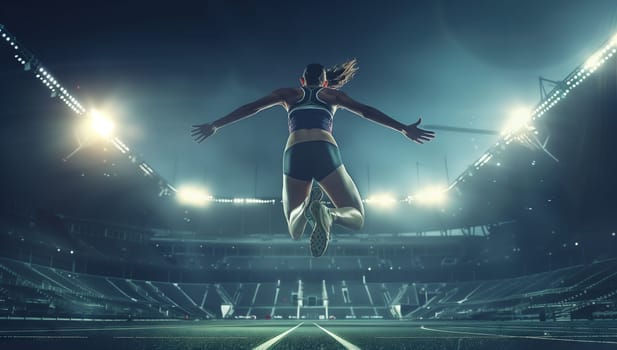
x=411, y=131
x=202, y=131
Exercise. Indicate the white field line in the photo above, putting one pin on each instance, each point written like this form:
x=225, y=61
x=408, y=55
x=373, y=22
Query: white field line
x=345, y=343
x=521, y=336
x=274, y=340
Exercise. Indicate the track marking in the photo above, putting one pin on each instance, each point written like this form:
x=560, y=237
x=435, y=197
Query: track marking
x=345, y=343
x=549, y=330
x=548, y=337
x=427, y=337
x=274, y=340
x=41, y=337
x=521, y=336
x=89, y=329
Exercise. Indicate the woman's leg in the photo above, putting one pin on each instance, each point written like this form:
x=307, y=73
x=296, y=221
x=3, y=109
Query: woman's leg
x=348, y=211
x=295, y=200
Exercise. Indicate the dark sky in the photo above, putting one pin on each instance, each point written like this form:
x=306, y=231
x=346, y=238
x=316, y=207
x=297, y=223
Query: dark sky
x=158, y=69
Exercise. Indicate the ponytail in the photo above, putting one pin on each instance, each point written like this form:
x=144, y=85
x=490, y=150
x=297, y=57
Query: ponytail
x=341, y=74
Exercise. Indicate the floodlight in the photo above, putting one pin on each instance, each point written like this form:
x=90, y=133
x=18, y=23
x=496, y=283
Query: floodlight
x=519, y=119
x=593, y=61
x=432, y=195
x=101, y=124
x=384, y=200
x=193, y=195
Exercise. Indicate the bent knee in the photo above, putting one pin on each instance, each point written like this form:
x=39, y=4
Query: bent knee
x=357, y=219
x=361, y=225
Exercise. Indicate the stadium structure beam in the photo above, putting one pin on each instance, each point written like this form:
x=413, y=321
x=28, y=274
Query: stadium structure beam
x=543, y=82
x=461, y=129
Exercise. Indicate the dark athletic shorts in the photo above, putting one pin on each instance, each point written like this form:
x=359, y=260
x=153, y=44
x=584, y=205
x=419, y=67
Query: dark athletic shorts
x=311, y=160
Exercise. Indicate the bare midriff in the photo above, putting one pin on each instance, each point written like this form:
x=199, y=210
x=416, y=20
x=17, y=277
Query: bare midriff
x=306, y=135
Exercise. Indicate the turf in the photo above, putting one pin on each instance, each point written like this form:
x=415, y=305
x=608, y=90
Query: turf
x=249, y=334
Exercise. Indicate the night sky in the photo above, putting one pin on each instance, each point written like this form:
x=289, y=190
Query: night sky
x=157, y=70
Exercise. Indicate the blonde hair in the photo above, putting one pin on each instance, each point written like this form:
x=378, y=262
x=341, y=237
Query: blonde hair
x=337, y=76
x=341, y=74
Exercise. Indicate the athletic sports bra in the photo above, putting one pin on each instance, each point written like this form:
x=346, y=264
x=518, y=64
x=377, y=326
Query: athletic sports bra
x=311, y=112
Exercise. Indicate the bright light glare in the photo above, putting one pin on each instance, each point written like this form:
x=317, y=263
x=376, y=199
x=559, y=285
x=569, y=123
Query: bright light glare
x=614, y=40
x=433, y=195
x=193, y=195
x=519, y=119
x=101, y=124
x=383, y=200
x=593, y=61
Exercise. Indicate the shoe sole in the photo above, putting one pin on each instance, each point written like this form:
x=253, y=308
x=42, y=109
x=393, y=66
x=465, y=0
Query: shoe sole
x=316, y=194
x=319, y=238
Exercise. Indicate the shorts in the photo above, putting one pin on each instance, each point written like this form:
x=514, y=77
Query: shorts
x=311, y=160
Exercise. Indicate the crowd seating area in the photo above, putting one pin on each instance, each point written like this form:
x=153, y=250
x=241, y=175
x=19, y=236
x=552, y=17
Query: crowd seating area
x=577, y=292
x=30, y=290
x=115, y=250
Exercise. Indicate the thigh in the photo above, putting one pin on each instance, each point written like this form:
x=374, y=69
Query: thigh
x=341, y=189
x=295, y=192
x=297, y=162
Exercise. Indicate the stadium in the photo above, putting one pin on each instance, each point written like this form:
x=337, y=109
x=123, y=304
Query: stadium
x=100, y=247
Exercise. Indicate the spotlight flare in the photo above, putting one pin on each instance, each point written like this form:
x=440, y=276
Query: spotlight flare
x=101, y=124
x=193, y=195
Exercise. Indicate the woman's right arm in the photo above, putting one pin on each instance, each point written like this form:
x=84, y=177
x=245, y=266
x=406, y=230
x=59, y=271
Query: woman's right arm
x=277, y=97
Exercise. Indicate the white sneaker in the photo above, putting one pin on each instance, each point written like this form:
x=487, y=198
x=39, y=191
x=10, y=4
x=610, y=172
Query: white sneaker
x=315, y=195
x=321, y=232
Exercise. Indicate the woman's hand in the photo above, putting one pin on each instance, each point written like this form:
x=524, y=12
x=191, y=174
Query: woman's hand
x=416, y=134
x=202, y=131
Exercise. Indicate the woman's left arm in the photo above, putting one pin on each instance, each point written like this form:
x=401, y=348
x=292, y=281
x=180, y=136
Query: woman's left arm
x=411, y=131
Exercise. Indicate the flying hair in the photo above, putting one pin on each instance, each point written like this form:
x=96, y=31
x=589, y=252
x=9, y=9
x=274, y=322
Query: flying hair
x=341, y=74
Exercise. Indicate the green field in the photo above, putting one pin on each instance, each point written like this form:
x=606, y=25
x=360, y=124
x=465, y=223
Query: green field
x=307, y=335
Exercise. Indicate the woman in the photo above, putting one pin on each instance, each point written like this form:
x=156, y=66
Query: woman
x=312, y=153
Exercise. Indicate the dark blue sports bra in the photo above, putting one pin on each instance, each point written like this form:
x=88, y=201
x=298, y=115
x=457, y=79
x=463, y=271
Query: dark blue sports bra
x=310, y=112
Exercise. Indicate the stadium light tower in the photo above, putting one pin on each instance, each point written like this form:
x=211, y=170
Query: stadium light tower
x=101, y=124
x=193, y=196
x=594, y=61
x=430, y=196
x=383, y=200
x=96, y=125
x=518, y=121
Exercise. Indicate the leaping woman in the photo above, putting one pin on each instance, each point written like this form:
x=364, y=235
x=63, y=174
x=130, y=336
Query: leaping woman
x=312, y=153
